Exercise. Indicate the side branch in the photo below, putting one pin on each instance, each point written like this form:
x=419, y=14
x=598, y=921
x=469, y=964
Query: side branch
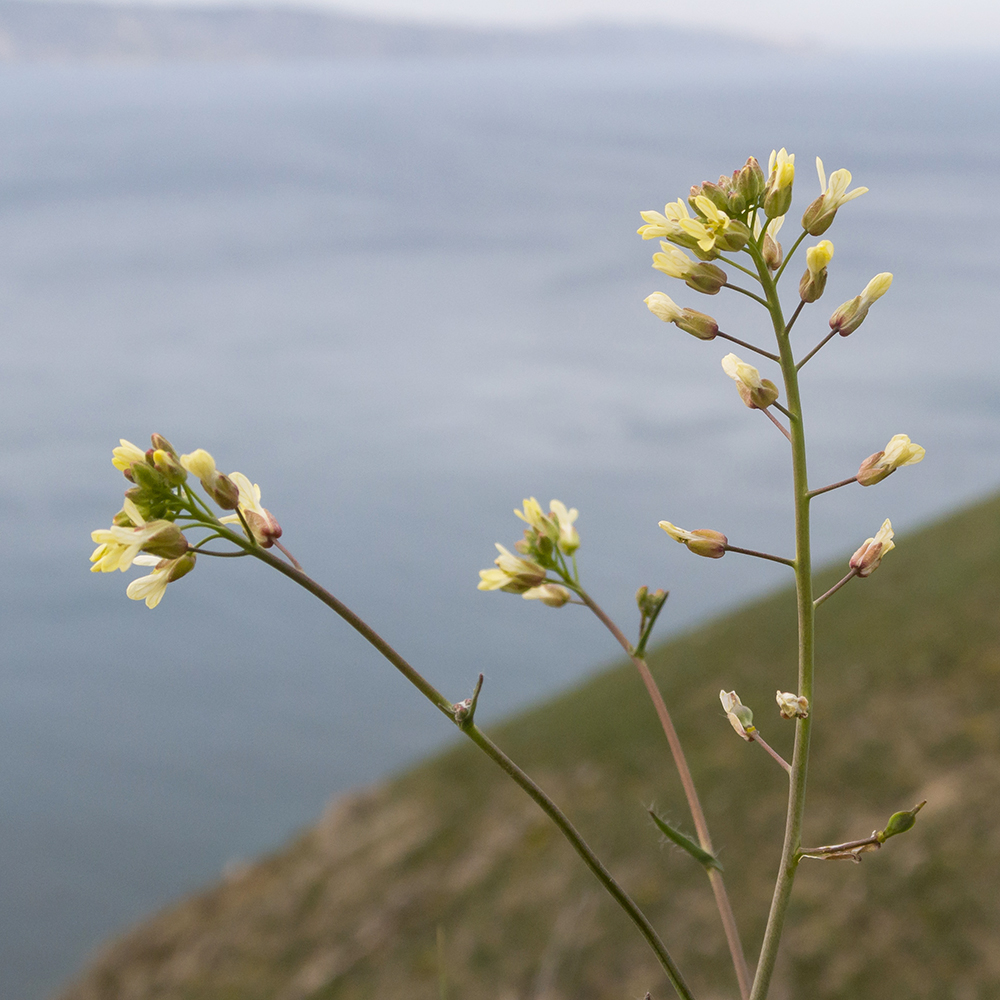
x=463, y=716
x=722, y=902
x=760, y=555
x=590, y=859
x=832, y=486
x=749, y=347
x=833, y=590
x=777, y=423
x=815, y=350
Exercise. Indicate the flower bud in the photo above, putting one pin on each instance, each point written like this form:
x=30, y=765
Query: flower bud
x=756, y=393
x=866, y=560
x=551, y=594
x=650, y=604
x=701, y=541
x=772, y=251
x=814, y=280
x=181, y=567
x=166, y=464
x=165, y=539
x=740, y=717
x=735, y=236
x=792, y=706
x=778, y=194
x=750, y=181
x=147, y=478
x=852, y=313
x=160, y=443
x=690, y=321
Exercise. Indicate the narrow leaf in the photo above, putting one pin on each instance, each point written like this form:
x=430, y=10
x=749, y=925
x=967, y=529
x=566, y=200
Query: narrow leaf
x=685, y=843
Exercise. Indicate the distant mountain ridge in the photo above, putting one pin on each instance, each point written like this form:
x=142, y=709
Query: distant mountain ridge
x=55, y=31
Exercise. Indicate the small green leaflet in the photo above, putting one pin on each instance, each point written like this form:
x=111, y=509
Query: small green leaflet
x=708, y=860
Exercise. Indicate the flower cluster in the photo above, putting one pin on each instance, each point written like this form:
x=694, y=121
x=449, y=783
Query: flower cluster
x=145, y=531
x=548, y=539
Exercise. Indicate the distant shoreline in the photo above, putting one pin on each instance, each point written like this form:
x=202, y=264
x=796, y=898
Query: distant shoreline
x=57, y=31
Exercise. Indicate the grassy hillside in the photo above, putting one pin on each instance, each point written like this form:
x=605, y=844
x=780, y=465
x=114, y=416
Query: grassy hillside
x=906, y=709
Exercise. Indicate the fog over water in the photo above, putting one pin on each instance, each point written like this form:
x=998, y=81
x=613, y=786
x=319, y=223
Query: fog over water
x=402, y=297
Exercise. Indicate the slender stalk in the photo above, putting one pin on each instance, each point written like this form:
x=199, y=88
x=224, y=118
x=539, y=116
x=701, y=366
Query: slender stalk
x=784, y=263
x=690, y=792
x=795, y=316
x=760, y=555
x=757, y=738
x=837, y=848
x=492, y=751
x=738, y=266
x=833, y=590
x=590, y=859
x=805, y=609
x=743, y=291
x=815, y=350
x=777, y=423
x=749, y=347
x=832, y=486
x=780, y=408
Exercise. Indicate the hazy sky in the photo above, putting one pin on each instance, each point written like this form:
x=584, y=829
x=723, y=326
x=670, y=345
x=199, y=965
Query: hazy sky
x=896, y=24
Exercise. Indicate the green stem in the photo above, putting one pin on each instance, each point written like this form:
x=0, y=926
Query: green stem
x=739, y=267
x=591, y=860
x=490, y=749
x=804, y=601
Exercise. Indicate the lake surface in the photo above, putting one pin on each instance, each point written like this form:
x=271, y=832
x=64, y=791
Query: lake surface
x=402, y=297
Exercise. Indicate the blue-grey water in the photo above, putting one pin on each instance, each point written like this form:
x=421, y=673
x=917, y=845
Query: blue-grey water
x=402, y=296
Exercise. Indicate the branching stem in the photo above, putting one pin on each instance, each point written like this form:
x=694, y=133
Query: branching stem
x=833, y=590
x=491, y=750
x=760, y=555
x=749, y=347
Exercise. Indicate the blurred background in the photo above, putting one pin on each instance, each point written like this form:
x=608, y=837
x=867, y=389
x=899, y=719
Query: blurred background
x=388, y=269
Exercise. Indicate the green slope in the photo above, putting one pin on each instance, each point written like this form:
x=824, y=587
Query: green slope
x=907, y=694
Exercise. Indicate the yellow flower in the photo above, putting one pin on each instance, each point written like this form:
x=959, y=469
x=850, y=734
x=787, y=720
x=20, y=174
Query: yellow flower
x=700, y=276
x=898, y=452
x=701, y=541
x=819, y=256
x=778, y=193
x=219, y=487
x=551, y=594
x=852, y=313
x=126, y=454
x=200, y=464
x=262, y=523
x=513, y=574
x=666, y=225
x=535, y=517
x=813, y=282
x=118, y=547
x=151, y=588
x=569, y=538
x=866, y=560
x=818, y=216
x=698, y=324
x=757, y=393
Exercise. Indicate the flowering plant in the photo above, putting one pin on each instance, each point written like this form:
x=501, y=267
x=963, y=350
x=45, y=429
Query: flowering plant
x=166, y=523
